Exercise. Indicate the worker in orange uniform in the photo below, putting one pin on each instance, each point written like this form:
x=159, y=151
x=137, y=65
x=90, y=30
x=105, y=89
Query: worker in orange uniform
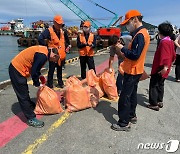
x=57, y=38
x=86, y=42
x=133, y=66
x=29, y=63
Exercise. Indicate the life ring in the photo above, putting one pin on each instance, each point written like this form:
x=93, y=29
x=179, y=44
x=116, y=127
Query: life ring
x=24, y=42
x=33, y=42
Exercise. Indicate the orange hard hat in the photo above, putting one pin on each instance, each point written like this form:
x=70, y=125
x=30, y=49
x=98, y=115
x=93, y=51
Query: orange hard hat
x=87, y=23
x=129, y=15
x=58, y=19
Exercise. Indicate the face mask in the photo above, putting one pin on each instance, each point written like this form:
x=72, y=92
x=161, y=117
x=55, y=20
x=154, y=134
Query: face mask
x=130, y=27
x=85, y=29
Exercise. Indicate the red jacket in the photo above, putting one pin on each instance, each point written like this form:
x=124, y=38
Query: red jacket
x=164, y=56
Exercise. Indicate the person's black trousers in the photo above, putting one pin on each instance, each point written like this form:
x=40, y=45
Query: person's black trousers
x=89, y=60
x=21, y=89
x=156, y=89
x=52, y=67
x=119, y=80
x=128, y=99
x=177, y=68
x=63, y=63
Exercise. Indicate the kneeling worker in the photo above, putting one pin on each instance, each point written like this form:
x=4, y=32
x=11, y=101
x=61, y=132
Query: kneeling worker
x=29, y=62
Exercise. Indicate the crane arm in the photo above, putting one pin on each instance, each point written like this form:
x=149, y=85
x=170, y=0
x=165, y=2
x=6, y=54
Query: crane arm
x=80, y=13
x=119, y=19
x=102, y=7
x=115, y=15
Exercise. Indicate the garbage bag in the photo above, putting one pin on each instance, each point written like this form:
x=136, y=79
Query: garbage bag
x=109, y=84
x=73, y=80
x=47, y=101
x=93, y=95
x=94, y=81
x=77, y=98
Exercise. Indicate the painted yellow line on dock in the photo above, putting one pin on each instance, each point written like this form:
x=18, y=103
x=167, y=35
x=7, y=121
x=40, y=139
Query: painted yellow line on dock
x=63, y=75
x=109, y=100
x=38, y=142
x=71, y=60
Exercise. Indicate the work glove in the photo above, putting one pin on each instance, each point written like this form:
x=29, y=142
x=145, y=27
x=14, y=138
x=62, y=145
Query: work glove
x=42, y=79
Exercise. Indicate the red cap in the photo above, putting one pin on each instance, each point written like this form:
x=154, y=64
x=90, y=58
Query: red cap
x=87, y=24
x=58, y=19
x=129, y=15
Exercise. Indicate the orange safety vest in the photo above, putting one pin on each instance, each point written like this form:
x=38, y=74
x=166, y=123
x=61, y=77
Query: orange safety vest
x=86, y=51
x=55, y=42
x=24, y=60
x=135, y=67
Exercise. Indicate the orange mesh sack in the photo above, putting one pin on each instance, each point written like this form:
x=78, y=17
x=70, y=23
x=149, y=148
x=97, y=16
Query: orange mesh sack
x=73, y=80
x=94, y=81
x=93, y=95
x=77, y=98
x=109, y=84
x=47, y=101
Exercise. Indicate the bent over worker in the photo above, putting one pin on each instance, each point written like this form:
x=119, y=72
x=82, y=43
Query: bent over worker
x=133, y=66
x=29, y=62
x=57, y=38
x=86, y=43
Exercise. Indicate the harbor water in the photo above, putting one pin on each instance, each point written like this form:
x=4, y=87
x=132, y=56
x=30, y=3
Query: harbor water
x=9, y=49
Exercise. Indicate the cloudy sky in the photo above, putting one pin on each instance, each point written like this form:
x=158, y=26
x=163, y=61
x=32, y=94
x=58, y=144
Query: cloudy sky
x=154, y=11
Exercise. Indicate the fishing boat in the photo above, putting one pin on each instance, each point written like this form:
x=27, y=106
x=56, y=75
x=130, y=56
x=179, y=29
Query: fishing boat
x=29, y=38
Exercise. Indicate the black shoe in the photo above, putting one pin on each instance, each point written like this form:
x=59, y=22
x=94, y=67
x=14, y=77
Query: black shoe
x=60, y=86
x=160, y=104
x=117, y=127
x=155, y=108
x=50, y=86
x=133, y=120
x=35, y=123
x=32, y=106
x=177, y=80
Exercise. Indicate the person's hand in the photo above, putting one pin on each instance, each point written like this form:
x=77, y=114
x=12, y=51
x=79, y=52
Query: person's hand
x=67, y=49
x=70, y=46
x=90, y=45
x=42, y=79
x=163, y=71
x=122, y=55
x=119, y=46
x=110, y=70
x=84, y=44
x=40, y=86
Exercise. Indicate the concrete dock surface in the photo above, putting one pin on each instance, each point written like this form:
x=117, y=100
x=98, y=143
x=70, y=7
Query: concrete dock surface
x=88, y=131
